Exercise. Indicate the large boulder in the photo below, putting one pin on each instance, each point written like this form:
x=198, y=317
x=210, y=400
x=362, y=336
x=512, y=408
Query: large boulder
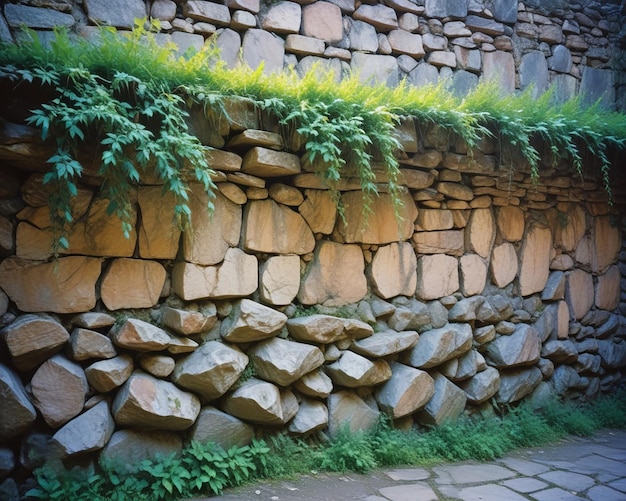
x=106, y=375
x=147, y=402
x=138, y=335
x=318, y=328
x=523, y=347
x=437, y=276
x=314, y=384
x=406, y=391
x=393, y=270
x=312, y=416
x=189, y=322
x=31, y=339
x=283, y=362
x=436, y=346
x=348, y=411
x=279, y=280
x=517, y=383
x=132, y=283
x=215, y=426
x=126, y=449
x=86, y=344
x=261, y=403
x=210, y=370
x=86, y=433
x=353, y=371
x=251, y=321
x=385, y=343
x=448, y=402
x=535, y=260
x=331, y=259
x=482, y=386
x=17, y=413
x=59, y=388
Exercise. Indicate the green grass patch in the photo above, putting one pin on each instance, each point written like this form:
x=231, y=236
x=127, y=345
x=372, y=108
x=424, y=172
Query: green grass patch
x=206, y=469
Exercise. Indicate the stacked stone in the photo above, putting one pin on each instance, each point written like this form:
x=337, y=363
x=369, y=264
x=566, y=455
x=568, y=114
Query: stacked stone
x=489, y=287
x=573, y=46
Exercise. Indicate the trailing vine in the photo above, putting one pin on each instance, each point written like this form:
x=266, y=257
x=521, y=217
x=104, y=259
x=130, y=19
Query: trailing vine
x=130, y=96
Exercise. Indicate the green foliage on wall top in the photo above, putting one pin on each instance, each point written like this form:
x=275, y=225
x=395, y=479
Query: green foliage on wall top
x=130, y=95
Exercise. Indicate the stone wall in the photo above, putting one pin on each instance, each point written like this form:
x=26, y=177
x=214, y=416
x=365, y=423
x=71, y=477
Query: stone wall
x=576, y=46
x=274, y=314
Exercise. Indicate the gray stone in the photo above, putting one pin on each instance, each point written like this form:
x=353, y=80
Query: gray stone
x=106, y=375
x=533, y=71
x=560, y=351
x=463, y=83
x=482, y=386
x=31, y=339
x=362, y=37
x=126, y=449
x=283, y=362
x=59, y=388
x=5, y=32
x=504, y=11
x=281, y=17
x=375, y=69
x=424, y=74
x=613, y=354
x=17, y=413
x=598, y=85
x=259, y=402
x=484, y=25
x=215, y=426
x=312, y=416
x=86, y=433
x=499, y=66
x=565, y=378
x=462, y=367
x=385, y=343
x=346, y=410
x=439, y=345
x=447, y=403
x=405, y=392
x=210, y=370
x=383, y=18
x=35, y=17
x=520, y=348
x=261, y=47
x=465, y=309
x=353, y=370
x=251, y=321
x=117, y=13
x=446, y=8
x=145, y=401
x=555, y=287
x=516, y=384
x=561, y=60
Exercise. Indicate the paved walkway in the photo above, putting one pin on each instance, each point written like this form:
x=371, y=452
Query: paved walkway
x=574, y=469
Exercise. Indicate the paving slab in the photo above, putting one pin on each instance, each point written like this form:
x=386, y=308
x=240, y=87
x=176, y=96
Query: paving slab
x=409, y=492
x=555, y=494
x=604, y=493
x=471, y=473
x=525, y=484
x=525, y=467
x=488, y=492
x=573, y=482
x=599, y=464
x=620, y=484
x=408, y=474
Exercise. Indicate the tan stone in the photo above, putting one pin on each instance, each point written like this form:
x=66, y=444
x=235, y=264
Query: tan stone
x=455, y=190
x=251, y=321
x=180, y=345
x=258, y=402
x=331, y=260
x=159, y=236
x=381, y=226
x=93, y=320
x=252, y=137
x=147, y=402
x=606, y=243
x=285, y=194
x=322, y=20
x=237, y=276
x=353, y=370
x=59, y=388
x=189, y=322
x=392, y=272
x=274, y=228
x=31, y=339
x=385, y=343
x=436, y=346
x=210, y=370
x=584, y=252
x=480, y=232
x=405, y=392
x=416, y=179
x=320, y=329
x=64, y=286
x=510, y=221
x=86, y=344
x=312, y=416
x=570, y=228
x=473, y=274
x=314, y=384
x=233, y=193
x=223, y=429
x=106, y=375
x=434, y=219
x=283, y=362
x=437, y=276
x=132, y=283
x=562, y=320
x=608, y=289
x=439, y=242
x=403, y=42
x=157, y=365
x=319, y=211
x=138, y=335
x=279, y=280
x=503, y=264
x=535, y=260
x=264, y=162
x=211, y=235
x=499, y=66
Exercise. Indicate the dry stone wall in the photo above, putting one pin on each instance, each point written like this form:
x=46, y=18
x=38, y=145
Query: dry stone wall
x=577, y=46
x=276, y=315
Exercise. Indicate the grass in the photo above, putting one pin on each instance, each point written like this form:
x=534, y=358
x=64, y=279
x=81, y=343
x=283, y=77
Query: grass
x=205, y=469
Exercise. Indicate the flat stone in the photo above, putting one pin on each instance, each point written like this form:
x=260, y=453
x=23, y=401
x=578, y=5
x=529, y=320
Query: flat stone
x=438, y=276
x=383, y=18
x=34, y=17
x=382, y=344
x=207, y=12
x=573, y=482
x=322, y=20
x=419, y=490
x=132, y=283
x=471, y=474
x=118, y=13
x=261, y=47
x=282, y=17
x=393, y=270
x=251, y=321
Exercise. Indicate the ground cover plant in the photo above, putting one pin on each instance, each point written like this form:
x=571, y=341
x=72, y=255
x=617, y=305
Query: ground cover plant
x=131, y=97
x=205, y=469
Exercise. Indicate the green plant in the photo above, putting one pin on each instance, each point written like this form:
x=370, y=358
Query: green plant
x=349, y=452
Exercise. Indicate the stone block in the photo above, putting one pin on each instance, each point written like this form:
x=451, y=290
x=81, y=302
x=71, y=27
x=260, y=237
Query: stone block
x=405, y=392
x=437, y=276
x=322, y=20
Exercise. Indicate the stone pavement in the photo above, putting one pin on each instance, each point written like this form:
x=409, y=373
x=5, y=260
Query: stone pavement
x=574, y=469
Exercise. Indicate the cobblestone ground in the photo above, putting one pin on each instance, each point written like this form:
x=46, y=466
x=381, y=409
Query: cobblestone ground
x=574, y=469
